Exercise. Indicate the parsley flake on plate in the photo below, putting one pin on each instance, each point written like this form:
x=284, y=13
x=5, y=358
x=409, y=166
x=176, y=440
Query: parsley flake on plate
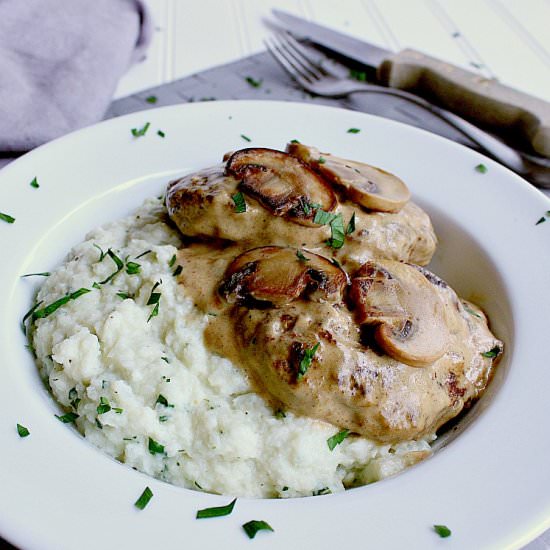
x=481, y=168
x=6, y=218
x=144, y=499
x=252, y=527
x=246, y=138
x=161, y=134
x=34, y=183
x=306, y=361
x=43, y=274
x=354, y=130
x=216, y=511
x=22, y=431
x=138, y=132
x=336, y=439
x=442, y=530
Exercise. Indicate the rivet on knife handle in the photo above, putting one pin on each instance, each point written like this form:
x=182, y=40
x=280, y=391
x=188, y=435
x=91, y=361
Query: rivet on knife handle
x=472, y=96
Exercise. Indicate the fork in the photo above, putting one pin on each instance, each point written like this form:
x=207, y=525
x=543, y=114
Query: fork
x=323, y=77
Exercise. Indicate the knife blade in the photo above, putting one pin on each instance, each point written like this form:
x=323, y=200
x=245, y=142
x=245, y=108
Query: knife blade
x=517, y=116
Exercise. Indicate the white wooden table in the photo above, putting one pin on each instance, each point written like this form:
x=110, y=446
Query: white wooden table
x=505, y=39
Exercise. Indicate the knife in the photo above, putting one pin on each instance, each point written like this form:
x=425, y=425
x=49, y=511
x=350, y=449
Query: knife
x=481, y=100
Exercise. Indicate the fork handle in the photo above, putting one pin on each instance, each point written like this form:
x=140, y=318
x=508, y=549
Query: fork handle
x=470, y=95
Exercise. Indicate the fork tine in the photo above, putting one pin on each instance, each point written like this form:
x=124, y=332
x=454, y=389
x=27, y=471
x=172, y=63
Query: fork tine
x=287, y=62
x=311, y=69
x=298, y=65
x=303, y=56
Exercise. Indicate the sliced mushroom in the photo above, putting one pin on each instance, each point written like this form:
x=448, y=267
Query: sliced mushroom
x=366, y=185
x=282, y=183
x=277, y=275
x=405, y=308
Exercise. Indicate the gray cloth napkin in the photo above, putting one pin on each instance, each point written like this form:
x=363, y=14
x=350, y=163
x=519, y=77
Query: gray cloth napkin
x=60, y=61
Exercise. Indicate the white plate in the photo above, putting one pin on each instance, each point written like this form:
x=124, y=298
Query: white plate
x=490, y=485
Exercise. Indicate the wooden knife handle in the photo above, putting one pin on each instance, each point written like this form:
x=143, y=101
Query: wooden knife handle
x=472, y=96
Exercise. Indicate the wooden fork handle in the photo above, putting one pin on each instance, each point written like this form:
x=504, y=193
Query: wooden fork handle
x=472, y=96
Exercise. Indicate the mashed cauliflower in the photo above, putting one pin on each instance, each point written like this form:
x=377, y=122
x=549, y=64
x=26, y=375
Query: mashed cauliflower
x=128, y=358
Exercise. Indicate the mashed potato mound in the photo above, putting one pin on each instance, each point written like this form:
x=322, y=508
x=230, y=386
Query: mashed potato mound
x=148, y=392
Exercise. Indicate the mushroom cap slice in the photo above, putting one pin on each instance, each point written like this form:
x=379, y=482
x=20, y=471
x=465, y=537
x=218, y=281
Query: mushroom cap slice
x=282, y=183
x=406, y=309
x=275, y=275
x=362, y=183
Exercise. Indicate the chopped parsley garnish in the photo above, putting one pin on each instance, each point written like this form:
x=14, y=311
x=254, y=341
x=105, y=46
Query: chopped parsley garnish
x=163, y=401
x=97, y=286
x=74, y=399
x=322, y=160
x=123, y=295
x=279, y=413
x=119, y=264
x=240, y=203
x=358, y=75
x=337, y=232
x=49, y=309
x=165, y=359
x=246, y=138
x=481, y=168
x=252, y=527
x=141, y=131
x=151, y=99
x=177, y=271
x=253, y=82
x=118, y=410
x=98, y=424
x=472, y=312
x=442, y=530
x=544, y=217
x=491, y=353
x=216, y=511
x=172, y=261
x=101, y=253
x=294, y=141
x=43, y=274
x=34, y=183
x=322, y=217
x=354, y=130
x=336, y=439
x=103, y=406
x=144, y=499
x=154, y=298
x=67, y=418
x=351, y=225
x=163, y=418
x=301, y=257
x=27, y=315
x=22, y=431
x=143, y=254
x=307, y=358
x=160, y=133
x=6, y=217
x=323, y=491
x=155, y=448
x=132, y=268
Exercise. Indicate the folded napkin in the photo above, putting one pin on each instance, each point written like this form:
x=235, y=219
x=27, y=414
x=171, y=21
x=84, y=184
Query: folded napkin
x=60, y=61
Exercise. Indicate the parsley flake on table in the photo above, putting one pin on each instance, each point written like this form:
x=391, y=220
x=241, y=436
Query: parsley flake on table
x=216, y=511
x=240, y=203
x=22, y=431
x=442, y=530
x=151, y=99
x=306, y=361
x=336, y=439
x=6, y=218
x=253, y=82
x=354, y=130
x=34, y=183
x=481, y=168
x=252, y=527
x=358, y=75
x=144, y=499
x=138, y=132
